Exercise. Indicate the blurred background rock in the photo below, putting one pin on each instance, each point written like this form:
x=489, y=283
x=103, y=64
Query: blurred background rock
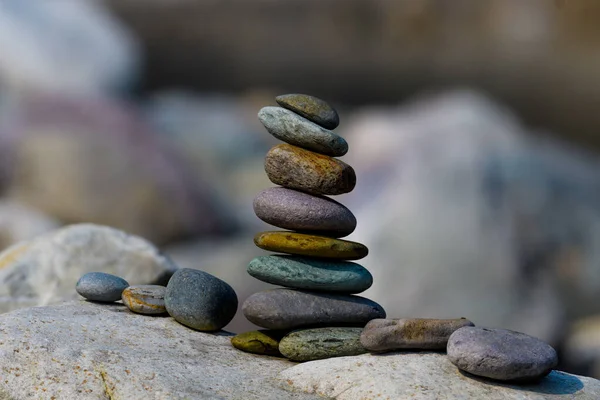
x=472, y=127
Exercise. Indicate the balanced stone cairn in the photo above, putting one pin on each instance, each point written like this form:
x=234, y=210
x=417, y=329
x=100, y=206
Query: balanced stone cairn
x=316, y=315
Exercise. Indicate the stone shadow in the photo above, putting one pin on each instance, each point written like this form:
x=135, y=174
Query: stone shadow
x=554, y=383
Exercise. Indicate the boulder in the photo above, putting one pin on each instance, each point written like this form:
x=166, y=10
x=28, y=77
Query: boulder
x=84, y=350
x=19, y=222
x=45, y=270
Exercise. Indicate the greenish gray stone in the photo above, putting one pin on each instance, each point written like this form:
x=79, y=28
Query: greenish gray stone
x=321, y=343
x=100, y=286
x=312, y=108
x=291, y=128
x=262, y=341
x=311, y=273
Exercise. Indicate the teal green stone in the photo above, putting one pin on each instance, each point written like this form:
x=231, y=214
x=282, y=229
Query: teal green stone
x=321, y=343
x=311, y=273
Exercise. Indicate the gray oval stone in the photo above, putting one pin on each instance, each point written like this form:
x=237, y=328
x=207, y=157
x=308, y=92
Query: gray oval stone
x=291, y=309
x=321, y=343
x=311, y=273
x=500, y=354
x=199, y=300
x=297, y=168
x=312, y=108
x=100, y=286
x=291, y=128
x=145, y=299
x=298, y=211
x=410, y=333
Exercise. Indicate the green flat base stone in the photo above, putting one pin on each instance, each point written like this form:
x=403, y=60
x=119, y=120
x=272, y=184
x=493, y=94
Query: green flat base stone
x=311, y=108
x=321, y=343
x=311, y=273
x=264, y=342
x=310, y=245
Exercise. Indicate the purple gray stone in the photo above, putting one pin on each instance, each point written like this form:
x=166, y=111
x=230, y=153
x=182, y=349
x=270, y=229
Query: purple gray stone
x=298, y=211
x=296, y=130
x=410, y=333
x=291, y=309
x=500, y=354
x=311, y=273
x=312, y=108
x=199, y=300
x=100, y=286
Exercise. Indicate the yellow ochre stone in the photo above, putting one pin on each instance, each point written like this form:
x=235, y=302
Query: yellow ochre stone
x=310, y=245
x=259, y=342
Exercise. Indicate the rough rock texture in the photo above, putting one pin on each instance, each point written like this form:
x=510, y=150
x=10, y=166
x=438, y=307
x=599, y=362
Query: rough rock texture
x=89, y=351
x=422, y=376
x=310, y=172
x=311, y=108
x=293, y=129
x=310, y=245
x=311, y=273
x=290, y=308
x=290, y=209
x=45, y=270
x=320, y=343
x=500, y=354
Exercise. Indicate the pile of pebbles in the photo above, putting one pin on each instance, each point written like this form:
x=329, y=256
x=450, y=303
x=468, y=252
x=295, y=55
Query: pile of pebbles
x=192, y=297
x=317, y=314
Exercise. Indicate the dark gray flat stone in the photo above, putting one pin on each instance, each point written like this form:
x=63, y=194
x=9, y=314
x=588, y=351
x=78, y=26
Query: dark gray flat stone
x=100, y=286
x=500, y=354
x=292, y=308
x=312, y=108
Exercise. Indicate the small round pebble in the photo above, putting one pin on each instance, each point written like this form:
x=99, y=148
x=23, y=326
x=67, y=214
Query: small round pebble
x=321, y=343
x=298, y=211
x=145, y=299
x=311, y=273
x=410, y=333
x=291, y=308
x=501, y=354
x=296, y=168
x=310, y=245
x=199, y=300
x=312, y=108
x=291, y=128
x=263, y=341
x=100, y=286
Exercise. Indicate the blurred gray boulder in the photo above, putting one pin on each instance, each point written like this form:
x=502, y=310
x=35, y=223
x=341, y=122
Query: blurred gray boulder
x=72, y=46
x=19, y=222
x=468, y=215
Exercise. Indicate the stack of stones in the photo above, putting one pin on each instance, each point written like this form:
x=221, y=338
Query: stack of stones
x=316, y=315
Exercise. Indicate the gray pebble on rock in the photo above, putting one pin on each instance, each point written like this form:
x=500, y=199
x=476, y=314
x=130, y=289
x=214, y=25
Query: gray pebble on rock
x=100, y=286
x=311, y=273
x=501, y=354
x=298, y=211
x=199, y=300
x=312, y=108
x=321, y=343
x=291, y=309
x=294, y=129
x=410, y=333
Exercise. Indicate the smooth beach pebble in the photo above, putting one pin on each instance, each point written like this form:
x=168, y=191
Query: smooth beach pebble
x=296, y=168
x=291, y=209
x=99, y=286
x=291, y=128
x=311, y=273
x=262, y=341
x=310, y=245
x=145, y=299
x=410, y=333
x=291, y=308
x=501, y=354
x=321, y=343
x=310, y=107
x=199, y=300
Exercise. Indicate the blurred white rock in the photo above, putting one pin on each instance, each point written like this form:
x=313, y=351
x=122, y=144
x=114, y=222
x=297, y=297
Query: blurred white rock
x=468, y=214
x=72, y=46
x=19, y=222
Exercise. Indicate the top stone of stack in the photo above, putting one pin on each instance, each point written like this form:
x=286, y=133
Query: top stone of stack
x=304, y=121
